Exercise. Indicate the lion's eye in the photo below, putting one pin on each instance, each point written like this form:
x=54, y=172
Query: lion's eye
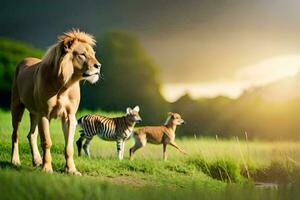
x=82, y=56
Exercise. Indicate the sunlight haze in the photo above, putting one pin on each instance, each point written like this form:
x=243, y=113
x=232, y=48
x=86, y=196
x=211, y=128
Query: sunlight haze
x=260, y=74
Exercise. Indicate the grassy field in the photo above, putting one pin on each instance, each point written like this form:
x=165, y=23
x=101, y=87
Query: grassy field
x=213, y=169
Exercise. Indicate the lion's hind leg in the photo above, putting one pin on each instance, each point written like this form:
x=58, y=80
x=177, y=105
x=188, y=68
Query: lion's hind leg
x=17, y=110
x=32, y=137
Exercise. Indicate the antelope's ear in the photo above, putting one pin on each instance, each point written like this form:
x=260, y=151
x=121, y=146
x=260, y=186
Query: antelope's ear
x=136, y=108
x=128, y=110
x=170, y=113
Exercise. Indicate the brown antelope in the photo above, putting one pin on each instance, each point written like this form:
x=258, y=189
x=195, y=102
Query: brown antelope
x=164, y=134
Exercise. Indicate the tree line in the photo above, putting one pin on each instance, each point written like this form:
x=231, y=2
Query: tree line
x=131, y=78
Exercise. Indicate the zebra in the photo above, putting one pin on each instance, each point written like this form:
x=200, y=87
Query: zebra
x=116, y=129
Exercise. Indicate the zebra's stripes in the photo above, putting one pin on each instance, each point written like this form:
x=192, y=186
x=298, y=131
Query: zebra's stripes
x=111, y=129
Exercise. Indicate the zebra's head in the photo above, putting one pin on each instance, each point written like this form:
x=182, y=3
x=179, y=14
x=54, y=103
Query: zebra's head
x=133, y=114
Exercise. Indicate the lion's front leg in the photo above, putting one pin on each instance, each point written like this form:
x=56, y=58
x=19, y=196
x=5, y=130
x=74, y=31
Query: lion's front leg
x=69, y=126
x=43, y=126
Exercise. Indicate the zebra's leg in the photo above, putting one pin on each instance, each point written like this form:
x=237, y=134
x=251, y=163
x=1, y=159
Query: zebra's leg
x=119, y=148
x=79, y=143
x=122, y=150
x=86, y=147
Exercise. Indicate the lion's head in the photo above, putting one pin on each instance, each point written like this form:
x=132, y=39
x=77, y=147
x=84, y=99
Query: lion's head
x=74, y=57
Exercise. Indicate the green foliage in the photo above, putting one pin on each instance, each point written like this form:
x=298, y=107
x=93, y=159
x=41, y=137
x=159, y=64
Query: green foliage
x=227, y=170
x=11, y=53
x=130, y=78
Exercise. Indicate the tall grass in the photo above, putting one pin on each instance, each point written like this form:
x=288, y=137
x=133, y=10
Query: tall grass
x=212, y=167
x=36, y=185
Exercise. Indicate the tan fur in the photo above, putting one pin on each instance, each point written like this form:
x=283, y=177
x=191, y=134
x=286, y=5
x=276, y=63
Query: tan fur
x=164, y=134
x=49, y=88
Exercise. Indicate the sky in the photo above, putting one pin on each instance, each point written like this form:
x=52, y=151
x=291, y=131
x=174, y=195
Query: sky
x=204, y=47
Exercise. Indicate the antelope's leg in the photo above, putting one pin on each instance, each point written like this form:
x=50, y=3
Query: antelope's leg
x=164, y=151
x=177, y=147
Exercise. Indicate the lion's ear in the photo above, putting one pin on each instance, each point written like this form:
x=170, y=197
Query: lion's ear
x=67, y=44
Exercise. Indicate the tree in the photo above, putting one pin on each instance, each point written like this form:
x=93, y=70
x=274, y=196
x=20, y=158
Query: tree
x=130, y=78
x=11, y=53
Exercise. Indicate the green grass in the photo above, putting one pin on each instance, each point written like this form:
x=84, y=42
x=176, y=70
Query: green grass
x=215, y=169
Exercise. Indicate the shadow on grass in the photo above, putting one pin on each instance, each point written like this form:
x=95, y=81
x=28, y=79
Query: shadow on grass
x=8, y=165
x=278, y=172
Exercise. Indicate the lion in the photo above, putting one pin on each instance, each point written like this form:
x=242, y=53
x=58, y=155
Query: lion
x=49, y=88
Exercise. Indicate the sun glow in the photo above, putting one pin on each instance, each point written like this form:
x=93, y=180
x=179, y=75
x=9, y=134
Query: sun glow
x=259, y=74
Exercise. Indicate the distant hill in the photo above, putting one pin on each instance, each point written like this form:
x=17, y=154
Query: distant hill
x=281, y=90
x=267, y=112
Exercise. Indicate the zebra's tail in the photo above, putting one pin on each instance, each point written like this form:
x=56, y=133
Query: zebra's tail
x=82, y=133
x=79, y=121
